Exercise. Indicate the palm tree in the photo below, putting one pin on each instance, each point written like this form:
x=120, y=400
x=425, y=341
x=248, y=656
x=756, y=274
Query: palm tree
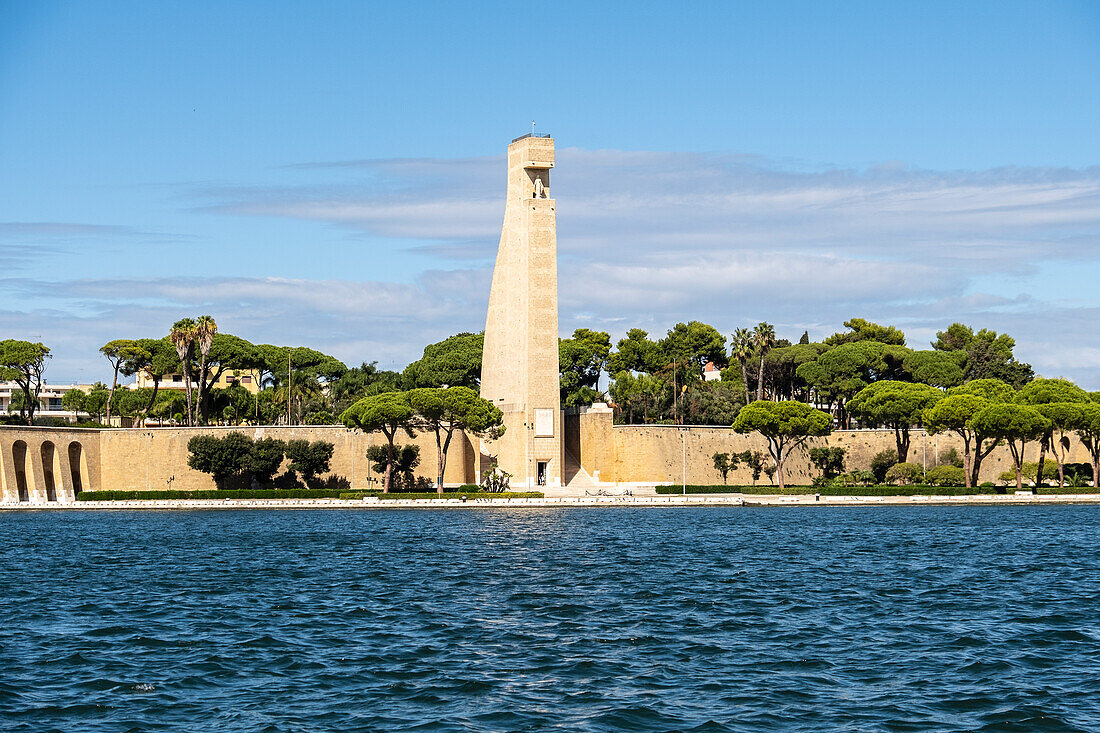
x=182, y=337
x=742, y=345
x=205, y=330
x=764, y=336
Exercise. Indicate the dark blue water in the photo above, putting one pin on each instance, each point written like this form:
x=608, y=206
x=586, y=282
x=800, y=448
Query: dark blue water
x=933, y=618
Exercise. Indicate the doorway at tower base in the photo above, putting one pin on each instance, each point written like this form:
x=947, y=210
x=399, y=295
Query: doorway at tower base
x=531, y=450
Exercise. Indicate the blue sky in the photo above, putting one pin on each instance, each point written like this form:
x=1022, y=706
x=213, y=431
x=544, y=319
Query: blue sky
x=331, y=174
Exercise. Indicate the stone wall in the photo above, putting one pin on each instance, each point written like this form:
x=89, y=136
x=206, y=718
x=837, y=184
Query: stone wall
x=656, y=453
x=156, y=458
x=48, y=464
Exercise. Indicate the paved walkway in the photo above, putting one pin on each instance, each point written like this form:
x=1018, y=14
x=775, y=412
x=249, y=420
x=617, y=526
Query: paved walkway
x=749, y=500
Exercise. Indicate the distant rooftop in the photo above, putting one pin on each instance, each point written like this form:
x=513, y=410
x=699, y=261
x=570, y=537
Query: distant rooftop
x=530, y=134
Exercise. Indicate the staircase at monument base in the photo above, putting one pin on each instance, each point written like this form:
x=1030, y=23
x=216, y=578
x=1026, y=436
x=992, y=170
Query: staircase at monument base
x=574, y=476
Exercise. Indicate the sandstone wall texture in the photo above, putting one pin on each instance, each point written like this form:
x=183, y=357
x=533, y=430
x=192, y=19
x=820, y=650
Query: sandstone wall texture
x=48, y=464
x=156, y=458
x=648, y=454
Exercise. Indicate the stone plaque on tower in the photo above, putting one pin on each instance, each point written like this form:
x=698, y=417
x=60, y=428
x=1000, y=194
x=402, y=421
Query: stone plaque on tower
x=519, y=372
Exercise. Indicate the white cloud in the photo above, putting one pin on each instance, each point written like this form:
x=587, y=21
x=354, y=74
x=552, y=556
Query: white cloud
x=649, y=239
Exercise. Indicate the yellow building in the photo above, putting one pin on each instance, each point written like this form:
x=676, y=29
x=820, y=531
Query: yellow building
x=247, y=378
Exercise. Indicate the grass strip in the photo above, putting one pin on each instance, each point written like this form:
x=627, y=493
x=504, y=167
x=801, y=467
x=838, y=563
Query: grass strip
x=918, y=490
x=211, y=494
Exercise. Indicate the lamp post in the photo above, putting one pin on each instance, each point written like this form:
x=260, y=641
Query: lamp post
x=684, y=461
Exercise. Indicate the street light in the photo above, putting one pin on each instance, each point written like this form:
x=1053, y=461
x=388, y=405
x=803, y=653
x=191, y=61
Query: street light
x=683, y=467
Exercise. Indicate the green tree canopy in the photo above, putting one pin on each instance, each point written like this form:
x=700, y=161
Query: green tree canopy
x=24, y=363
x=1087, y=426
x=581, y=360
x=693, y=343
x=937, y=368
x=991, y=390
x=452, y=362
x=73, y=400
x=222, y=458
x=635, y=353
x=897, y=405
x=117, y=353
x=1016, y=425
x=363, y=381
x=785, y=425
x=388, y=412
x=955, y=413
x=307, y=459
x=988, y=354
x=1044, y=394
x=839, y=373
x=443, y=411
x=863, y=330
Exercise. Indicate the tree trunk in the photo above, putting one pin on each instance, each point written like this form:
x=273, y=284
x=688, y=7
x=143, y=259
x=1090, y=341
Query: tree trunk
x=29, y=401
x=760, y=379
x=111, y=394
x=901, y=438
x=745, y=379
x=968, y=481
x=1095, y=468
x=1018, y=463
x=389, y=464
x=200, y=398
x=1042, y=458
x=776, y=449
x=152, y=400
x=442, y=457
x=187, y=387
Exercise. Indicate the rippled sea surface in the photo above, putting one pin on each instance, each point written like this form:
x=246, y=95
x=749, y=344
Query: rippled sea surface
x=809, y=619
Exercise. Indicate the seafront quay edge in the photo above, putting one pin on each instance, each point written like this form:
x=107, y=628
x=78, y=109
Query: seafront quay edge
x=689, y=500
x=41, y=463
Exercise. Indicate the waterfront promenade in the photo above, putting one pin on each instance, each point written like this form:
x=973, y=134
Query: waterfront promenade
x=673, y=500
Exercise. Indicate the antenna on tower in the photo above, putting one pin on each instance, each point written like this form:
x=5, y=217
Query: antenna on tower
x=532, y=128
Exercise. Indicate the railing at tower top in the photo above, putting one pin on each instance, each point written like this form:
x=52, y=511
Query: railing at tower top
x=530, y=134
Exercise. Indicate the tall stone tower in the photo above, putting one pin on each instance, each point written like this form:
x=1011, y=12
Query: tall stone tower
x=519, y=372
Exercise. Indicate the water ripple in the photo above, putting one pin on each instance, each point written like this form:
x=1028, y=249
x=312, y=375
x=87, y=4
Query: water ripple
x=716, y=619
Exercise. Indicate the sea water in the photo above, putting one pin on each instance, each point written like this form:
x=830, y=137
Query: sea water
x=600, y=619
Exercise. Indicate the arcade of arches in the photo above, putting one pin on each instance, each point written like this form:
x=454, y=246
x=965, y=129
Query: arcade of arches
x=44, y=465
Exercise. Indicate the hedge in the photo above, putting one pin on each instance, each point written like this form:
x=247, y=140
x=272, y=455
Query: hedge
x=446, y=495
x=211, y=494
x=919, y=490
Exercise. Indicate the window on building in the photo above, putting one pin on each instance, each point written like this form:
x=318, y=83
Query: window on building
x=246, y=380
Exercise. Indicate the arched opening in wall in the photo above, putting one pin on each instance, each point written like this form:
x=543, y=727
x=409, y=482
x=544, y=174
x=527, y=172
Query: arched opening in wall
x=78, y=466
x=4, y=479
x=50, y=469
x=19, y=463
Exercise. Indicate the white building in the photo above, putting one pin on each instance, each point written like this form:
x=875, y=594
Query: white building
x=49, y=399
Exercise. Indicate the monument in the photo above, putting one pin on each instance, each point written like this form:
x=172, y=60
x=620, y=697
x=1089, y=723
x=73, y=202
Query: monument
x=519, y=372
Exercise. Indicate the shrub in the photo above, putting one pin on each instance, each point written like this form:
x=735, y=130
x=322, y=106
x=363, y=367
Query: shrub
x=222, y=458
x=830, y=461
x=468, y=495
x=210, y=494
x=951, y=457
x=1030, y=470
x=863, y=478
x=904, y=474
x=405, y=460
x=919, y=489
x=945, y=476
x=308, y=459
x=265, y=458
x=882, y=462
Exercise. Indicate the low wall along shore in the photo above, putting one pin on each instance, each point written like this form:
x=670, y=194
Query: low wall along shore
x=44, y=464
x=656, y=453
x=54, y=464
